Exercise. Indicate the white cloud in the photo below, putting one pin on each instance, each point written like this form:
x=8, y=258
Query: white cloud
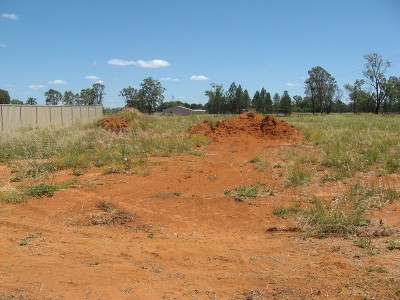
x=10, y=16
x=155, y=63
x=57, y=81
x=292, y=85
x=169, y=79
x=36, y=86
x=121, y=62
x=92, y=77
x=198, y=77
x=3, y=45
x=99, y=81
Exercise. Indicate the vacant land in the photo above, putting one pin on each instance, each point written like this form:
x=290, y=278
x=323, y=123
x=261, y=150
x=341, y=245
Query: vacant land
x=178, y=208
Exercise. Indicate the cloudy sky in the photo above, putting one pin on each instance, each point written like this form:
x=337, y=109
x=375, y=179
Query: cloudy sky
x=188, y=44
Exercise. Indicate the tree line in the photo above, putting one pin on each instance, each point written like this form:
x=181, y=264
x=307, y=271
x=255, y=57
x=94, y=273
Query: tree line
x=88, y=96
x=373, y=93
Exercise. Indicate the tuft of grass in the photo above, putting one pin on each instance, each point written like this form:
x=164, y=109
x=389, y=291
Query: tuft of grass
x=298, y=175
x=366, y=244
x=110, y=215
x=283, y=211
x=259, y=163
x=374, y=196
x=377, y=269
x=240, y=193
x=393, y=245
x=342, y=218
x=28, y=238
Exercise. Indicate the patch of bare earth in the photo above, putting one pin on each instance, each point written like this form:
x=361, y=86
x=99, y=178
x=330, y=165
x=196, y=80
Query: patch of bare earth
x=174, y=234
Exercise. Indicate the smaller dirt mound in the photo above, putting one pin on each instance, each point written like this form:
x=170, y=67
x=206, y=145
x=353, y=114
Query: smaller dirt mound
x=115, y=124
x=248, y=124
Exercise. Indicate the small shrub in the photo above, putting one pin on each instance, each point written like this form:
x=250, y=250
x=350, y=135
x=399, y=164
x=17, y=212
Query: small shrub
x=27, y=239
x=12, y=197
x=40, y=190
x=110, y=215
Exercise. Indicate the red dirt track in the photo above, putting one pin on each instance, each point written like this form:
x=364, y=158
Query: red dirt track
x=187, y=239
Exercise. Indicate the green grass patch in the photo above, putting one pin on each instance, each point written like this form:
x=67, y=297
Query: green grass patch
x=377, y=269
x=298, y=174
x=41, y=190
x=12, y=197
x=241, y=193
x=393, y=245
x=284, y=211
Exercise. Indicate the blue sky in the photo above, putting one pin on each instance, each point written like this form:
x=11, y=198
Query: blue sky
x=188, y=44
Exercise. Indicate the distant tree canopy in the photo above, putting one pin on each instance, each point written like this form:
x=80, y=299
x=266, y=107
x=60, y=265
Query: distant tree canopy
x=148, y=99
x=4, y=97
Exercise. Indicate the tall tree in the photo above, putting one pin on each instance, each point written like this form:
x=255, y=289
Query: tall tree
x=393, y=93
x=68, y=98
x=31, y=101
x=216, y=99
x=256, y=102
x=355, y=93
x=53, y=97
x=246, y=100
x=151, y=93
x=98, y=90
x=374, y=72
x=4, y=97
x=87, y=97
x=230, y=96
x=277, y=103
x=131, y=97
x=240, y=105
x=320, y=88
x=286, y=103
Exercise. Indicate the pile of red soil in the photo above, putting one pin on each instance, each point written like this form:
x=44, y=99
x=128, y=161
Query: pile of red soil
x=115, y=124
x=248, y=124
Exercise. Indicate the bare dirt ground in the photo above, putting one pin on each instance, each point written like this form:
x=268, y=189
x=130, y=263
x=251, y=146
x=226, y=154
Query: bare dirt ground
x=170, y=232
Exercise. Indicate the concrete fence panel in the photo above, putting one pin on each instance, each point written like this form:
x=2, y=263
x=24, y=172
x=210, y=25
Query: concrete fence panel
x=11, y=117
x=28, y=116
x=17, y=116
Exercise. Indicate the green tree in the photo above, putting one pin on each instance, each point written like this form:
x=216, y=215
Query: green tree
x=131, y=97
x=151, y=94
x=87, y=97
x=53, y=97
x=216, y=99
x=286, y=103
x=31, y=101
x=277, y=103
x=374, y=72
x=98, y=91
x=246, y=100
x=355, y=93
x=320, y=88
x=240, y=103
x=256, y=102
x=4, y=97
x=16, y=101
x=230, y=98
x=68, y=98
x=392, y=88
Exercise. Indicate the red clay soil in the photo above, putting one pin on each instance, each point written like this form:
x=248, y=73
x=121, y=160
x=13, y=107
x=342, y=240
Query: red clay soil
x=115, y=124
x=170, y=231
x=249, y=124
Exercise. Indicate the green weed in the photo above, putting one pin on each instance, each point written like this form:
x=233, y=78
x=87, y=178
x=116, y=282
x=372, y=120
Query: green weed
x=283, y=211
x=40, y=190
x=393, y=245
x=298, y=174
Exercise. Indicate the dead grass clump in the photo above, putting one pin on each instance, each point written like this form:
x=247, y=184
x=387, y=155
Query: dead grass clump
x=110, y=215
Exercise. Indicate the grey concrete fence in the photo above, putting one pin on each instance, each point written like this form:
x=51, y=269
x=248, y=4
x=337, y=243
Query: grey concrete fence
x=17, y=116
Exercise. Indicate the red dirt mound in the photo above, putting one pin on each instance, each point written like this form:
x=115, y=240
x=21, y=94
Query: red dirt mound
x=248, y=124
x=115, y=124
